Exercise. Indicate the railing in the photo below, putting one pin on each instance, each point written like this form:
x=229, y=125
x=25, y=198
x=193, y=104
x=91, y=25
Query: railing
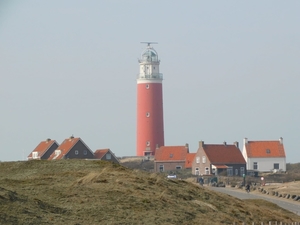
x=152, y=76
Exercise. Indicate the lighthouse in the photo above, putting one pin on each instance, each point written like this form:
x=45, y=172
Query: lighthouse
x=150, y=123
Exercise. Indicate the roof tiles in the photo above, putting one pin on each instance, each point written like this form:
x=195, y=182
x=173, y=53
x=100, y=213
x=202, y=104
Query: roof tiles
x=223, y=154
x=100, y=153
x=171, y=153
x=264, y=149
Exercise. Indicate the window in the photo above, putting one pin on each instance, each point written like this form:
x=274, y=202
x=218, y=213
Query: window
x=213, y=170
x=236, y=172
x=255, y=165
x=203, y=159
x=242, y=169
x=148, y=143
x=197, y=171
x=108, y=156
x=171, y=155
x=276, y=166
x=76, y=152
x=161, y=168
x=178, y=167
x=57, y=152
x=206, y=170
x=35, y=155
x=147, y=86
x=147, y=114
x=229, y=171
x=268, y=151
x=197, y=159
x=85, y=152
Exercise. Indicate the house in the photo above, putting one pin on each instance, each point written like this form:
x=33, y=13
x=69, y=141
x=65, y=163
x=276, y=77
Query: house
x=264, y=156
x=216, y=159
x=106, y=154
x=168, y=158
x=72, y=148
x=43, y=150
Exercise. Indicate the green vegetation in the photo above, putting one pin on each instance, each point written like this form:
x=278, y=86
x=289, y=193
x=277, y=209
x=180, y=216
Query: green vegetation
x=98, y=192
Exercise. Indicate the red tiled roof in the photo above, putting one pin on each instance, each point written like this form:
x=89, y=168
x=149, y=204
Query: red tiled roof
x=189, y=160
x=100, y=153
x=42, y=147
x=224, y=154
x=65, y=147
x=259, y=149
x=171, y=153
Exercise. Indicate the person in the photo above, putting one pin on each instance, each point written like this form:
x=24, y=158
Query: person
x=248, y=188
x=201, y=181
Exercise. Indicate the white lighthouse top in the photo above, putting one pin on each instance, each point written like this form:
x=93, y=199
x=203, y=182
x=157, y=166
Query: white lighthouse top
x=149, y=54
x=149, y=66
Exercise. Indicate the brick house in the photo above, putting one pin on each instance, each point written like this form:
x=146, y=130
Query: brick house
x=168, y=158
x=264, y=156
x=213, y=159
x=72, y=148
x=107, y=155
x=43, y=150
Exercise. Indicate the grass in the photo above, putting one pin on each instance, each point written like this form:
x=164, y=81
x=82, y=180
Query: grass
x=98, y=192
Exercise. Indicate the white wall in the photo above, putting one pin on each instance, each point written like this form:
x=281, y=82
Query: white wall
x=266, y=164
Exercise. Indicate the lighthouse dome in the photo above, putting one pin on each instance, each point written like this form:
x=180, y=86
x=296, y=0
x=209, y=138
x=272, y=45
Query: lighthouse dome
x=149, y=55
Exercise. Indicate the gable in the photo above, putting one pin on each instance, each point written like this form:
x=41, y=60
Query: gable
x=264, y=149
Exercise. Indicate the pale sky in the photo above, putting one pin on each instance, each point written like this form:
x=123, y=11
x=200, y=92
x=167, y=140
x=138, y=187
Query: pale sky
x=231, y=70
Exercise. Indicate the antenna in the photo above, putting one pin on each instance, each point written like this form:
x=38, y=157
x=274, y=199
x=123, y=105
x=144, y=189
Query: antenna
x=148, y=43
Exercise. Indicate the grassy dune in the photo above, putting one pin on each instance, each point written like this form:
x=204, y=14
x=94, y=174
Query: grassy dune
x=98, y=192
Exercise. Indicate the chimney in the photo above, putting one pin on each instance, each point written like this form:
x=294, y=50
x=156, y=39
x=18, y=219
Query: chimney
x=281, y=140
x=236, y=144
x=245, y=141
x=187, y=147
x=48, y=139
x=225, y=143
x=201, y=144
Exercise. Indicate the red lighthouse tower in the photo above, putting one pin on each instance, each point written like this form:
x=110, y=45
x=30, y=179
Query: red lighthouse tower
x=150, y=124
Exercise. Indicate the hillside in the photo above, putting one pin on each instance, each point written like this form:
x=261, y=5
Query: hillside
x=98, y=192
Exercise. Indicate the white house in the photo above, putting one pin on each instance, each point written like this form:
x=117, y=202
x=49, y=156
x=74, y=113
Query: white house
x=264, y=156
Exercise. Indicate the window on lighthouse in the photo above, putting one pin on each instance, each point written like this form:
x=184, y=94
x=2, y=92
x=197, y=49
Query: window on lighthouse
x=148, y=143
x=147, y=86
x=148, y=114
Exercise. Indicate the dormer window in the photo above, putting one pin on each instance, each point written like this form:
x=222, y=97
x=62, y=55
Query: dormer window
x=171, y=155
x=268, y=151
x=35, y=155
x=57, y=152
